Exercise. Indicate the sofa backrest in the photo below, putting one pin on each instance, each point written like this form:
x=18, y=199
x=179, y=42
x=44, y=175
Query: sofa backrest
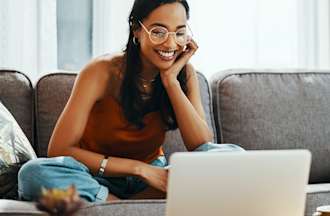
x=16, y=93
x=53, y=90
x=276, y=109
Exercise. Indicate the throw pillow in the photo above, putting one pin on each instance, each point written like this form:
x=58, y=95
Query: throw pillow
x=15, y=150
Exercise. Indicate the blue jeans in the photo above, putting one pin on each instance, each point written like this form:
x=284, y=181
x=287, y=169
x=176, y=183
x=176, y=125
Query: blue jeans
x=61, y=172
x=213, y=147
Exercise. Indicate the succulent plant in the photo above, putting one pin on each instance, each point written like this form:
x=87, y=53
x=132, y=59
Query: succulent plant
x=60, y=202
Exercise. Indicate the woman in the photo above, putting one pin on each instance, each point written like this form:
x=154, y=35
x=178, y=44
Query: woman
x=108, y=138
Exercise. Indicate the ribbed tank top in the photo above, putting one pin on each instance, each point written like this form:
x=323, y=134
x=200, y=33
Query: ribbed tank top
x=109, y=133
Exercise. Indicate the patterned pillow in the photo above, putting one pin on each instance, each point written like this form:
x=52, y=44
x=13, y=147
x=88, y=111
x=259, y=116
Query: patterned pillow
x=15, y=150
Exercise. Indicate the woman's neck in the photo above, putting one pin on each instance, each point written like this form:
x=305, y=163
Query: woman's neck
x=148, y=70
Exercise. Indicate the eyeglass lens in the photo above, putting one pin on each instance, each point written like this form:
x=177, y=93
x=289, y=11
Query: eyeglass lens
x=159, y=35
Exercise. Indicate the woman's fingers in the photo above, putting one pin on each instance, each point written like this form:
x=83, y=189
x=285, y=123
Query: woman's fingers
x=157, y=178
x=190, y=51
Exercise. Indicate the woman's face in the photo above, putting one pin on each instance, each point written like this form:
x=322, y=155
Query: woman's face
x=162, y=56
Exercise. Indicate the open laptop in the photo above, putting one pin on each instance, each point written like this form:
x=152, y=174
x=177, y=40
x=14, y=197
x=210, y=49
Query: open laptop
x=252, y=183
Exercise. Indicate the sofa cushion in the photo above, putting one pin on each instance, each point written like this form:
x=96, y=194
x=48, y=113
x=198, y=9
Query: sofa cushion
x=13, y=207
x=16, y=93
x=117, y=208
x=317, y=195
x=53, y=91
x=276, y=109
x=126, y=207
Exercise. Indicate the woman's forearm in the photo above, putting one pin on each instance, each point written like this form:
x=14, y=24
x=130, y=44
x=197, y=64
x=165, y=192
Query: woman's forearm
x=115, y=167
x=193, y=128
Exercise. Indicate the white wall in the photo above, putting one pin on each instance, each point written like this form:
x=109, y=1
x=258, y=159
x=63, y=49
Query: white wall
x=261, y=34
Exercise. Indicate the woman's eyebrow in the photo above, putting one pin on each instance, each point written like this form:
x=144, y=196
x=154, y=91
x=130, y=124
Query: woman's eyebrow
x=163, y=25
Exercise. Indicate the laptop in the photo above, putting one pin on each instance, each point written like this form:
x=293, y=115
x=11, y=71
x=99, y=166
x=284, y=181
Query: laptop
x=252, y=183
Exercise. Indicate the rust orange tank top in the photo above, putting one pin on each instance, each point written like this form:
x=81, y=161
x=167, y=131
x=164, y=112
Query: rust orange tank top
x=109, y=133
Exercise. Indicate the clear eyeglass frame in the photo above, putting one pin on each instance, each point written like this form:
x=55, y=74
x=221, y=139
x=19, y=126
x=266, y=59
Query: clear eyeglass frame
x=163, y=35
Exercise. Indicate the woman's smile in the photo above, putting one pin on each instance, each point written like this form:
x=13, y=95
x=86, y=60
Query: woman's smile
x=166, y=55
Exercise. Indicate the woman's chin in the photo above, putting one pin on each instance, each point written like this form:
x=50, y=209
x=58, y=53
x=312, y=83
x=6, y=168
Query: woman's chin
x=164, y=65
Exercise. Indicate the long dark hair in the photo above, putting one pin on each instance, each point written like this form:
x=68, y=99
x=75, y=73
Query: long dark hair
x=133, y=106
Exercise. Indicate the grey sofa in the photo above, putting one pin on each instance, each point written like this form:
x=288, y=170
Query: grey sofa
x=256, y=109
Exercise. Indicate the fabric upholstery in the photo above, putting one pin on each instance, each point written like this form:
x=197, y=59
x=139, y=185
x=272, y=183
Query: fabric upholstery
x=118, y=208
x=52, y=93
x=127, y=208
x=13, y=207
x=267, y=109
x=317, y=195
x=16, y=93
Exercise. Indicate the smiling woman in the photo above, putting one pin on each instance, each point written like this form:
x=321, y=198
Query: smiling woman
x=108, y=139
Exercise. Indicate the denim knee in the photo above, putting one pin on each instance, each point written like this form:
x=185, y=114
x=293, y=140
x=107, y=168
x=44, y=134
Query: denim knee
x=29, y=179
x=214, y=147
x=58, y=172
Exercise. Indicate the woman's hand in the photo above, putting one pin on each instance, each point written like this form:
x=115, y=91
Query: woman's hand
x=154, y=176
x=169, y=76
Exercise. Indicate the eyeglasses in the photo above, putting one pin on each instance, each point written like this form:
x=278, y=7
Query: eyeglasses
x=159, y=35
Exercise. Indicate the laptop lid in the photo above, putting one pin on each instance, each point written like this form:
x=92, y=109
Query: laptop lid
x=253, y=183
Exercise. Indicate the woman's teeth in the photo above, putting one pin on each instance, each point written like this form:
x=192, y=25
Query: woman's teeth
x=167, y=55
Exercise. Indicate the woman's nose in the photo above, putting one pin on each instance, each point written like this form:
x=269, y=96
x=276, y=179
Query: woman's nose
x=170, y=41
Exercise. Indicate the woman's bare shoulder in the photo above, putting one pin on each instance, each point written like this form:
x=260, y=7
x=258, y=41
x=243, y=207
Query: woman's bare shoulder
x=110, y=64
x=103, y=71
x=113, y=68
